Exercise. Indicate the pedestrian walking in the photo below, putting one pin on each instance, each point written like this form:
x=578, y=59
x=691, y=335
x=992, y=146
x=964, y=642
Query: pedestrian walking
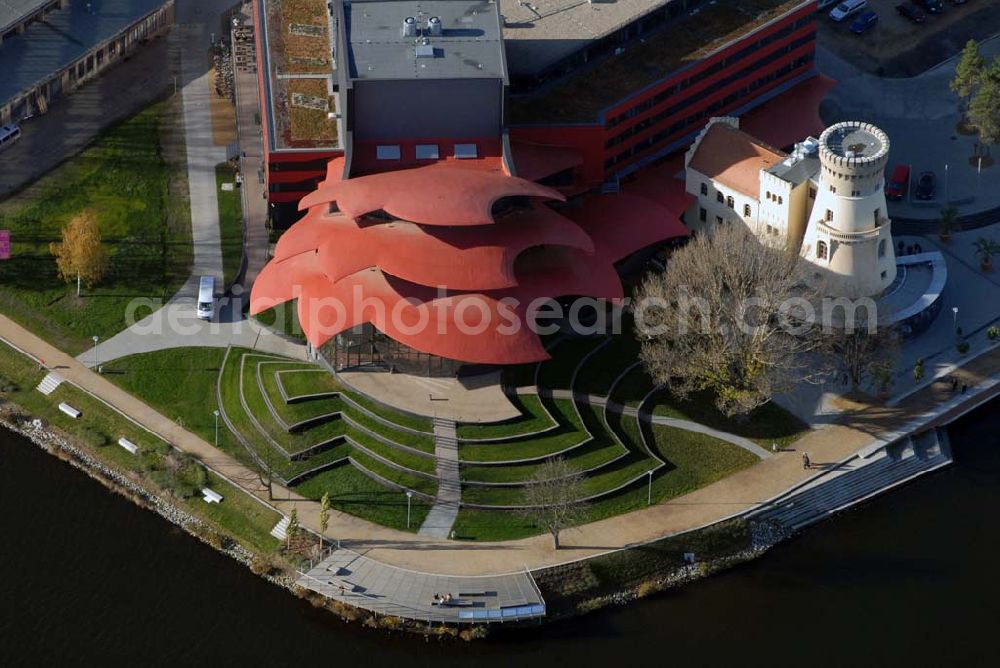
x=806, y=464
x=954, y=383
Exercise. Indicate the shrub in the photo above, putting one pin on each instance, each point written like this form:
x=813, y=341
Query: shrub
x=993, y=333
x=918, y=370
x=963, y=347
x=94, y=438
x=7, y=385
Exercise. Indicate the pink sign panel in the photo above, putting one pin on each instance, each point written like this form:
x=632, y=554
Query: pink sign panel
x=4, y=244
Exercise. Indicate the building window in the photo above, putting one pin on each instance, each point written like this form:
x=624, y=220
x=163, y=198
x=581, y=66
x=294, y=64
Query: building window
x=730, y=202
x=770, y=230
x=769, y=195
x=812, y=193
x=387, y=152
x=427, y=151
x=719, y=197
x=884, y=274
x=881, y=248
x=466, y=151
x=855, y=193
x=702, y=214
x=781, y=200
x=704, y=188
x=821, y=250
x=833, y=189
x=746, y=210
x=718, y=220
x=829, y=216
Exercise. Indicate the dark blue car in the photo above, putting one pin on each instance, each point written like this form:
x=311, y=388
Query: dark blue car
x=864, y=22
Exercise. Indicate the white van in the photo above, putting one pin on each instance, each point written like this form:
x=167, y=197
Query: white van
x=206, y=298
x=8, y=135
x=846, y=8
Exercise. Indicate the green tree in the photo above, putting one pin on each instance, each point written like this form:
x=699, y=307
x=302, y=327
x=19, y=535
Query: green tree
x=81, y=256
x=969, y=71
x=324, y=517
x=984, y=110
x=947, y=221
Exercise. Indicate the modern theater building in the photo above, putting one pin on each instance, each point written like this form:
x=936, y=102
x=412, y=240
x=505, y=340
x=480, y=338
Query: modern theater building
x=454, y=157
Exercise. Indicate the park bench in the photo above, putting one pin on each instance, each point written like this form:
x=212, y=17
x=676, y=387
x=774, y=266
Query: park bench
x=210, y=496
x=128, y=445
x=69, y=410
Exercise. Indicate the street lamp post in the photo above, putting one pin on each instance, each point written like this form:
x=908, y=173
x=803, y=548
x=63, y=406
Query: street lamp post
x=954, y=313
x=649, y=489
x=97, y=361
x=216, y=414
x=409, y=495
x=946, y=183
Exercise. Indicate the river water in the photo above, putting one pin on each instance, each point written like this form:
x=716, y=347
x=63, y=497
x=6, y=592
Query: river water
x=88, y=578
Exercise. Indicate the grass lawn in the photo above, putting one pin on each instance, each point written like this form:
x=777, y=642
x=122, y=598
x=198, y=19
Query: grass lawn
x=352, y=492
x=533, y=418
x=140, y=202
x=239, y=515
x=633, y=387
x=230, y=222
x=768, y=424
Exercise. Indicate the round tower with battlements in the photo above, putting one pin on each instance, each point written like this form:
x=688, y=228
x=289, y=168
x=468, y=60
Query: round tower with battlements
x=848, y=236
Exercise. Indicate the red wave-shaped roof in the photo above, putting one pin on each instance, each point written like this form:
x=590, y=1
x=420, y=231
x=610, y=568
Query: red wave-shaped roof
x=432, y=195
x=459, y=258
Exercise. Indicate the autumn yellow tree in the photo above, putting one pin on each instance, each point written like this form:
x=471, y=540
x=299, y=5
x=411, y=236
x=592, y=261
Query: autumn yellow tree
x=81, y=256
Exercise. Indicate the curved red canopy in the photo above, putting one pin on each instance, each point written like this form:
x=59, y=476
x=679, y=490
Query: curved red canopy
x=433, y=195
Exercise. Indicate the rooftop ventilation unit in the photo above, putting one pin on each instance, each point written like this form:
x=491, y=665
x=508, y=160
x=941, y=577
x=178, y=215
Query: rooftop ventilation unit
x=424, y=51
x=434, y=25
x=409, y=27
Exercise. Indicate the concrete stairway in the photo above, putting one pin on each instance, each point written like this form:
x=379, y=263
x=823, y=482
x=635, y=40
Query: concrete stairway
x=280, y=529
x=442, y=515
x=50, y=383
x=858, y=479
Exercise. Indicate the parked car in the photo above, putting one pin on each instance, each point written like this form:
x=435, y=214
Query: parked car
x=899, y=182
x=932, y=6
x=926, y=184
x=823, y=4
x=864, y=22
x=912, y=13
x=847, y=8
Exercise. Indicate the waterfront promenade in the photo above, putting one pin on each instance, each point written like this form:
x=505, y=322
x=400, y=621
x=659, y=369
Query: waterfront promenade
x=863, y=429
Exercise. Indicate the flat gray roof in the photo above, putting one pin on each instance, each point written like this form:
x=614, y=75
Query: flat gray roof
x=66, y=34
x=469, y=46
x=12, y=11
x=540, y=33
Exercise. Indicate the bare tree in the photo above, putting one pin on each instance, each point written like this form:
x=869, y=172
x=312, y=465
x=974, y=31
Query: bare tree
x=553, y=494
x=862, y=353
x=729, y=315
x=324, y=518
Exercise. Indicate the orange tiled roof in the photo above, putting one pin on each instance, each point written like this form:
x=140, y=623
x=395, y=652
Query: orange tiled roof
x=733, y=158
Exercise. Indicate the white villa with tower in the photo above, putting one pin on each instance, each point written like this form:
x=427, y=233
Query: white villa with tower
x=826, y=199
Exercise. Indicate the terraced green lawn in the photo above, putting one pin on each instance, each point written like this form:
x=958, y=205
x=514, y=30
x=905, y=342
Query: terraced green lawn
x=597, y=452
x=534, y=418
x=295, y=412
x=352, y=492
x=303, y=383
x=569, y=434
x=292, y=442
